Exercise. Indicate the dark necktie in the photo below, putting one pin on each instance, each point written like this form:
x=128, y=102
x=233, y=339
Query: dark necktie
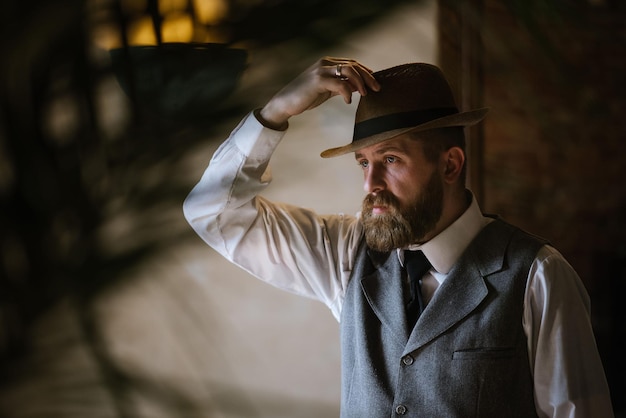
x=416, y=266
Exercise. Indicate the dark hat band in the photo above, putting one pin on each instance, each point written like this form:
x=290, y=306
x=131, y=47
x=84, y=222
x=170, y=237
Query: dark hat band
x=401, y=120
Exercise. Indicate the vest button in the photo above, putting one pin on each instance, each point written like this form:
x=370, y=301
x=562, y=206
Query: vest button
x=407, y=360
x=400, y=409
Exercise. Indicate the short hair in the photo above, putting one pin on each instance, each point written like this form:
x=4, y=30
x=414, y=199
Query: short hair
x=436, y=141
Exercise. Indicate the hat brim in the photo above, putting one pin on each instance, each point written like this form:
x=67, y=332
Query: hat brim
x=468, y=118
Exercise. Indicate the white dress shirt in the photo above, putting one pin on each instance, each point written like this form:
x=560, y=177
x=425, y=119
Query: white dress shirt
x=300, y=251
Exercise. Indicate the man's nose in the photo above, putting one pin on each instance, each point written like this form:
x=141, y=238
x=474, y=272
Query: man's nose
x=373, y=181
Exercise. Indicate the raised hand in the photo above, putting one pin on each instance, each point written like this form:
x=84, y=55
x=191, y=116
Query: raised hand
x=326, y=78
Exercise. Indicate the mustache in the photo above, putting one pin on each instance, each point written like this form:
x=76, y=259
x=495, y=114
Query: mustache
x=383, y=198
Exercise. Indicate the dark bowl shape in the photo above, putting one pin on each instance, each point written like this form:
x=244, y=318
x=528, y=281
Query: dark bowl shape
x=178, y=79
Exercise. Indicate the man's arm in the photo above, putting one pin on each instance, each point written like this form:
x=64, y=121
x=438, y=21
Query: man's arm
x=290, y=247
x=568, y=374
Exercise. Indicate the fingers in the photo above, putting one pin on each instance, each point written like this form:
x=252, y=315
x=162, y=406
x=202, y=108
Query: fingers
x=347, y=76
x=326, y=78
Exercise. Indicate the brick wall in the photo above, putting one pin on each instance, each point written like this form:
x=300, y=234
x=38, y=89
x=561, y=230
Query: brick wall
x=555, y=139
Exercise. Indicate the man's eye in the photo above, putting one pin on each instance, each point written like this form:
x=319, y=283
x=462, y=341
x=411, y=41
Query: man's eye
x=390, y=159
x=363, y=163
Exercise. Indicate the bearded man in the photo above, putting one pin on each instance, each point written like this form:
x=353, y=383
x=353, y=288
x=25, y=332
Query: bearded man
x=444, y=312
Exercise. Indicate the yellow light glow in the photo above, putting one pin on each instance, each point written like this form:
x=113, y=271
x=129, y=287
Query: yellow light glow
x=141, y=32
x=210, y=11
x=169, y=6
x=177, y=27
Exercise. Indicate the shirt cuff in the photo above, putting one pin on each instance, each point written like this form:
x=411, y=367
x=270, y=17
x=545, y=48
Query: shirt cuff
x=255, y=140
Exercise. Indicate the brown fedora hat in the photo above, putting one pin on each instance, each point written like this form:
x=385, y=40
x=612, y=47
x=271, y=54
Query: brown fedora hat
x=413, y=97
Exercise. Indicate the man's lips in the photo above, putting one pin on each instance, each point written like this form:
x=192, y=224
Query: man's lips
x=379, y=210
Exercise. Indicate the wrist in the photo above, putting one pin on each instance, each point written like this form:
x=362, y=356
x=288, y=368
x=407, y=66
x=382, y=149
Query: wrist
x=270, y=119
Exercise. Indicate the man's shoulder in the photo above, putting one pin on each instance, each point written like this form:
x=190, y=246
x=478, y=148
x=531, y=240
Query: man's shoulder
x=499, y=226
x=502, y=244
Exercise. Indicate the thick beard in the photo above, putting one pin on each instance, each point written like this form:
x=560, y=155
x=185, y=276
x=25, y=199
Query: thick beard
x=400, y=227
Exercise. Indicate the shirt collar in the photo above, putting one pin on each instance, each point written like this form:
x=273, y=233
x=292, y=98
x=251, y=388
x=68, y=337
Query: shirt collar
x=444, y=249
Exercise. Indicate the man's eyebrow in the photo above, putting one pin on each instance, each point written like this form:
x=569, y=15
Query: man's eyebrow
x=383, y=150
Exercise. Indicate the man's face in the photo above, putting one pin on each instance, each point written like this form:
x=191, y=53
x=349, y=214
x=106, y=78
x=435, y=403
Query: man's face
x=405, y=194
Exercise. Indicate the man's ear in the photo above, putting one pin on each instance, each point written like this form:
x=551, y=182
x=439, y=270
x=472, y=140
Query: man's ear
x=453, y=161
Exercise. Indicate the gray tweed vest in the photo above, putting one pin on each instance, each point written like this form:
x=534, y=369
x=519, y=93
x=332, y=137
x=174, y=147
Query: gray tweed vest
x=467, y=355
